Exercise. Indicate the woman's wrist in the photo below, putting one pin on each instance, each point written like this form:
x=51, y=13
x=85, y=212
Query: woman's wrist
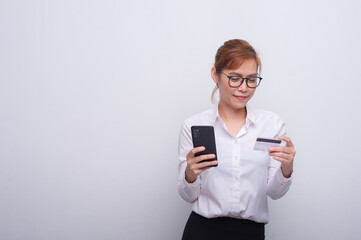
x=287, y=172
x=190, y=179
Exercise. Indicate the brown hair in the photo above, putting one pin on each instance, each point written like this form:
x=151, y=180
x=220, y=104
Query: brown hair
x=232, y=54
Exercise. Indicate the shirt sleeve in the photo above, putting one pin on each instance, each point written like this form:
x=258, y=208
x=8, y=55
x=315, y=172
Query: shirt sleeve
x=188, y=191
x=277, y=184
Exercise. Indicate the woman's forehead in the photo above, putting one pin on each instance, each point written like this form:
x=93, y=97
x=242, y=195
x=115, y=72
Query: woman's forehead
x=246, y=67
x=236, y=64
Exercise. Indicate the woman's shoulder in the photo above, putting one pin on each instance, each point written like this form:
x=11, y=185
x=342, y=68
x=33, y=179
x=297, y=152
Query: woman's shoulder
x=206, y=117
x=270, y=123
x=264, y=115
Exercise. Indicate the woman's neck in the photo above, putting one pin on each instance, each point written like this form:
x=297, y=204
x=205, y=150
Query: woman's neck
x=234, y=119
x=228, y=114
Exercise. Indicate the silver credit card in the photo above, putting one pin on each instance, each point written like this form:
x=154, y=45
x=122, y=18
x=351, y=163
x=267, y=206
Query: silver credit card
x=262, y=144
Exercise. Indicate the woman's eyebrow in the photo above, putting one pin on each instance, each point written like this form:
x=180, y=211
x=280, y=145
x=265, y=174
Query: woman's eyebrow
x=238, y=74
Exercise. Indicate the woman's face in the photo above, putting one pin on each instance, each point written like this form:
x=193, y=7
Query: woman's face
x=235, y=98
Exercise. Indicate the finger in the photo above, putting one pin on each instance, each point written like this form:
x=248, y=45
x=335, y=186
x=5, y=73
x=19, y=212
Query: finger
x=282, y=155
x=207, y=164
x=282, y=160
x=288, y=150
x=194, y=160
x=195, y=150
x=205, y=157
x=287, y=140
x=280, y=149
x=200, y=167
x=199, y=171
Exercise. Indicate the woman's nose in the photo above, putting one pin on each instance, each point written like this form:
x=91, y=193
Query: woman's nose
x=243, y=87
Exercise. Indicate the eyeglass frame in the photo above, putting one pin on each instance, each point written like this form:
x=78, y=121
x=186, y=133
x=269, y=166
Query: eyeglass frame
x=229, y=81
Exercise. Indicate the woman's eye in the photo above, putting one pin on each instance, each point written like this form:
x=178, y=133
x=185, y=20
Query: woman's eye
x=235, y=79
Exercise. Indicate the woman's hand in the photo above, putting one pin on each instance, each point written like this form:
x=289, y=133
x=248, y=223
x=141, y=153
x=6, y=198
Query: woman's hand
x=194, y=167
x=285, y=155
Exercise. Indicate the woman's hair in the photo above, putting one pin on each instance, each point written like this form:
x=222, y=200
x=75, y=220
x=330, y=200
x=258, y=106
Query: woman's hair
x=232, y=54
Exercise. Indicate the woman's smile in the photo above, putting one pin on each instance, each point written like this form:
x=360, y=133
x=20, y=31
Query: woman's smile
x=240, y=97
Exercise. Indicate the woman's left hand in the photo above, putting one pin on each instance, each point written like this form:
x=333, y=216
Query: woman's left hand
x=285, y=155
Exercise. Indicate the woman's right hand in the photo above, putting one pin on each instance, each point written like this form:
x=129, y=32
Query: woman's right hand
x=195, y=166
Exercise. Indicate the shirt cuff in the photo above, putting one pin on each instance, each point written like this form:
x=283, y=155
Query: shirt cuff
x=281, y=179
x=189, y=191
x=194, y=185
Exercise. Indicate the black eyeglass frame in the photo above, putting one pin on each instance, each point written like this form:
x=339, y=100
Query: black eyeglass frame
x=247, y=79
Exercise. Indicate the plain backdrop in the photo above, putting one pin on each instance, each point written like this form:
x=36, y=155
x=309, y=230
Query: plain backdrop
x=93, y=95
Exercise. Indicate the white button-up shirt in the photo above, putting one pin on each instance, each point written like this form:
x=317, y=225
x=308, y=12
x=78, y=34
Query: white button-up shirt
x=239, y=185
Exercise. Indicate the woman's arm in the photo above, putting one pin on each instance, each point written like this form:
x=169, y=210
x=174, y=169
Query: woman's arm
x=189, y=184
x=285, y=155
x=280, y=169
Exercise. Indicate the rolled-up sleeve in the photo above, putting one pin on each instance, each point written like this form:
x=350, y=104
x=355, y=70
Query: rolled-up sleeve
x=188, y=191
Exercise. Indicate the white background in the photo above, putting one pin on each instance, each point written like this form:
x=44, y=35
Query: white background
x=93, y=94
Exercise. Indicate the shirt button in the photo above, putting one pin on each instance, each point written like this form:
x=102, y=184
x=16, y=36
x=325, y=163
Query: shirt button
x=235, y=158
x=235, y=178
x=235, y=141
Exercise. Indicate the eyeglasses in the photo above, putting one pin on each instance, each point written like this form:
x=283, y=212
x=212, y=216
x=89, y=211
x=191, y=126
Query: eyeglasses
x=236, y=81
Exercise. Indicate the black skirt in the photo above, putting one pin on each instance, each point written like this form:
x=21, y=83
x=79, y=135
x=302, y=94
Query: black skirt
x=222, y=228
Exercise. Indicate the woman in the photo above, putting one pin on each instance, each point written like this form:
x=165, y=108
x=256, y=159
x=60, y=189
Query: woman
x=230, y=201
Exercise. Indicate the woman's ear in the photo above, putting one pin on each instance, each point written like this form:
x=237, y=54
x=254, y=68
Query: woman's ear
x=214, y=75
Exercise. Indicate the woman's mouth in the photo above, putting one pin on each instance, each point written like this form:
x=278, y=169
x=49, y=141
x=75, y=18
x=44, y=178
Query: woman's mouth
x=240, y=97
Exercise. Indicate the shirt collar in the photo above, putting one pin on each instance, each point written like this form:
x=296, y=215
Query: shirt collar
x=250, y=119
x=250, y=115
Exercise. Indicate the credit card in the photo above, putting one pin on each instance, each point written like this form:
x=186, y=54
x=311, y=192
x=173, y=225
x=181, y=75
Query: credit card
x=262, y=144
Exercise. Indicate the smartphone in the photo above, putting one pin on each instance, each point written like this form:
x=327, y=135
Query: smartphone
x=204, y=136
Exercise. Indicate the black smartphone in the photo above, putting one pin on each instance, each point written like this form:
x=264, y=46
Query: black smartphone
x=204, y=136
